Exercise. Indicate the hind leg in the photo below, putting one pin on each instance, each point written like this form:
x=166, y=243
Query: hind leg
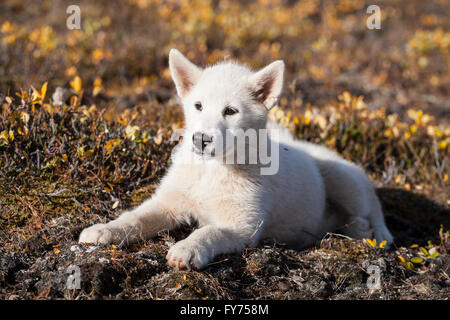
x=370, y=224
x=347, y=185
x=359, y=227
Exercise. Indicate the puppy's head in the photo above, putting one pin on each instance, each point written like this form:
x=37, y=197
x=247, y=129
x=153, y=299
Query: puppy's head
x=223, y=98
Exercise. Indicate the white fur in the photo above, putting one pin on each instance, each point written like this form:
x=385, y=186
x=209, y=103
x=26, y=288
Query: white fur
x=235, y=205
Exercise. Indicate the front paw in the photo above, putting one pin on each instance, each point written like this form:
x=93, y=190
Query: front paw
x=96, y=234
x=185, y=254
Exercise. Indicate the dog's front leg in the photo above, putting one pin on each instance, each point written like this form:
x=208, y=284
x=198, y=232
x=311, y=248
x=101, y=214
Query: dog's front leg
x=205, y=243
x=143, y=222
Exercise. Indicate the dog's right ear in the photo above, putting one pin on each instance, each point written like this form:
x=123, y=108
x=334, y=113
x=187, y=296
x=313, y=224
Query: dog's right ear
x=184, y=73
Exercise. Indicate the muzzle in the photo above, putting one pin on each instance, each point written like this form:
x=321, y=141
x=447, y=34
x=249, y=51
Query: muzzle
x=201, y=140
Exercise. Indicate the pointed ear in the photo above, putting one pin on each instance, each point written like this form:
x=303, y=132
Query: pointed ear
x=184, y=73
x=266, y=84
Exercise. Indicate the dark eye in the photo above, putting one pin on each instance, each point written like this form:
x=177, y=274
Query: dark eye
x=229, y=111
x=198, y=106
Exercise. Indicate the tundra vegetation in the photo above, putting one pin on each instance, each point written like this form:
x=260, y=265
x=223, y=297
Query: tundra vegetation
x=86, y=118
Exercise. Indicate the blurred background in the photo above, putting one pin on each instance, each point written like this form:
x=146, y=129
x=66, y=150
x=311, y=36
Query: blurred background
x=122, y=47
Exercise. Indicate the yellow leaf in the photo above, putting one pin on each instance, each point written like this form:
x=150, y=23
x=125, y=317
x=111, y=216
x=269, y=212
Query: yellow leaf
x=346, y=97
x=43, y=91
x=11, y=135
x=372, y=243
x=321, y=121
x=433, y=253
x=98, y=87
x=76, y=84
x=401, y=259
x=416, y=260
x=383, y=244
x=307, y=117
x=80, y=151
x=4, y=137
x=111, y=144
x=6, y=27
x=35, y=95
x=38, y=95
x=412, y=114
x=132, y=132
x=84, y=154
x=89, y=153
x=97, y=55
x=22, y=94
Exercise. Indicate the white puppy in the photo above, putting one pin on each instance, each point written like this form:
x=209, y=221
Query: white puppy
x=237, y=204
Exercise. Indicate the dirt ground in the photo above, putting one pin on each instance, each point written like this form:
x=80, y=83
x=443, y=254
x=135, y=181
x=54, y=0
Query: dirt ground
x=337, y=268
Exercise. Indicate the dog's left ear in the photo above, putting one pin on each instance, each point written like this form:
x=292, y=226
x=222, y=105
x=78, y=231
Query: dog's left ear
x=266, y=84
x=184, y=73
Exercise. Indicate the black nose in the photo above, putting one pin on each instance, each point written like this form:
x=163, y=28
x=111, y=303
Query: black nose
x=200, y=140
